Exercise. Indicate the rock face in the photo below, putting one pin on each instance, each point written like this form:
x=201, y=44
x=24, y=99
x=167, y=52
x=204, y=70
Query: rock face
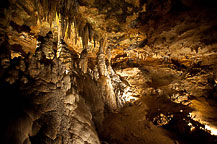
x=118, y=72
x=46, y=105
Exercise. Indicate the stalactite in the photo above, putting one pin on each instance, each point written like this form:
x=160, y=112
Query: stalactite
x=95, y=39
x=40, y=12
x=69, y=4
x=76, y=37
x=84, y=61
x=85, y=36
x=91, y=32
x=50, y=20
x=79, y=27
x=62, y=25
x=75, y=26
x=69, y=29
x=59, y=29
x=81, y=32
x=45, y=6
x=52, y=13
x=67, y=11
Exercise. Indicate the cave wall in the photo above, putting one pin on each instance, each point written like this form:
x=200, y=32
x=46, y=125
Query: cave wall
x=41, y=101
x=162, y=53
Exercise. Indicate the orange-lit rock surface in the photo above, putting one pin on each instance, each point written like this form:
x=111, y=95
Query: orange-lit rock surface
x=108, y=71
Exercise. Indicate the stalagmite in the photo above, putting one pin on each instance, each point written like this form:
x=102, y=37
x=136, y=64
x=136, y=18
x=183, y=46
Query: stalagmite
x=47, y=46
x=109, y=56
x=64, y=55
x=108, y=71
x=104, y=78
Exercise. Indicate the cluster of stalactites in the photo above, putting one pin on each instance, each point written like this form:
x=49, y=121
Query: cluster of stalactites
x=47, y=9
x=66, y=13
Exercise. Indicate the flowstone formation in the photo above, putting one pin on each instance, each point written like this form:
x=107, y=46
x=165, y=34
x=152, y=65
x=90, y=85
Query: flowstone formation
x=43, y=100
x=108, y=71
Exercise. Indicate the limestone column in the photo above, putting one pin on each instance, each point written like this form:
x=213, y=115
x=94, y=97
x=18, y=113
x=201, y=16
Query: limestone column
x=105, y=80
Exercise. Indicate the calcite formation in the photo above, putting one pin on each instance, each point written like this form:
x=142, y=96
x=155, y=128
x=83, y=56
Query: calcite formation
x=108, y=71
x=52, y=111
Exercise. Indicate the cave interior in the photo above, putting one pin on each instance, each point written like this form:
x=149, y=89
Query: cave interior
x=108, y=71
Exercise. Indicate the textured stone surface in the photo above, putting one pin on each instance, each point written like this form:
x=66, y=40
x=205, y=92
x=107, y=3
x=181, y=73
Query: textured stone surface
x=72, y=68
x=49, y=113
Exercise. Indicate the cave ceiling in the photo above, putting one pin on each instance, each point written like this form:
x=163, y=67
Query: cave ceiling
x=153, y=28
x=168, y=47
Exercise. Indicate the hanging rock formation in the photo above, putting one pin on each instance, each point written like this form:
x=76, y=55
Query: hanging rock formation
x=105, y=71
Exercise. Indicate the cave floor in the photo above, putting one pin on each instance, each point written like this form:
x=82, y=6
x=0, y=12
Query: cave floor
x=152, y=120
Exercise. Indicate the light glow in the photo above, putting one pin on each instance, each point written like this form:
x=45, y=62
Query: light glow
x=191, y=126
x=212, y=130
x=67, y=71
x=130, y=98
